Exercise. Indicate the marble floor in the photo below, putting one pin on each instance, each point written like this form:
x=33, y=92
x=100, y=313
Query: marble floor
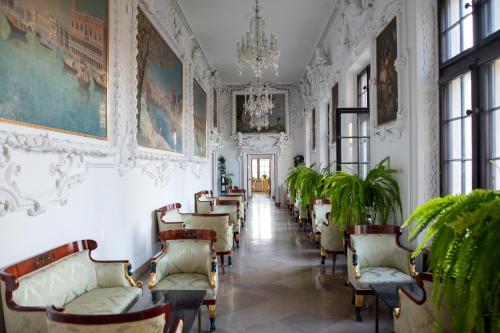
x=276, y=283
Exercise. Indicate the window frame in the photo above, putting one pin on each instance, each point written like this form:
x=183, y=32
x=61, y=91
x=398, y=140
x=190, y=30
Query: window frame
x=365, y=70
x=484, y=50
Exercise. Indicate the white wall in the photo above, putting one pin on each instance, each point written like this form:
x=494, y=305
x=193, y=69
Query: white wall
x=80, y=188
x=348, y=45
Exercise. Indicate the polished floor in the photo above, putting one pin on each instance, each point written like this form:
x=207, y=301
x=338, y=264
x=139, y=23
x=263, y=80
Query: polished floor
x=276, y=283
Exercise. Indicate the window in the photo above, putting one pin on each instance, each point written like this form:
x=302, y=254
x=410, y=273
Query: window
x=457, y=28
x=261, y=167
x=470, y=95
x=334, y=106
x=353, y=145
x=362, y=88
x=313, y=129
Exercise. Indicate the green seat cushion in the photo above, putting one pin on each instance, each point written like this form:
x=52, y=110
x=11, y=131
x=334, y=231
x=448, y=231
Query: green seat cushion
x=382, y=275
x=183, y=281
x=104, y=301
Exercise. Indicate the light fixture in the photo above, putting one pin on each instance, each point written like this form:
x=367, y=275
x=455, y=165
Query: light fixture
x=258, y=105
x=255, y=50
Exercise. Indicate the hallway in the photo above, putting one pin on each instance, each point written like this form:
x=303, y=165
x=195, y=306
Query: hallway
x=276, y=283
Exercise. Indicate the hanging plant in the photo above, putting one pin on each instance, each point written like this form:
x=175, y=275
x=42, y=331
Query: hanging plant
x=464, y=257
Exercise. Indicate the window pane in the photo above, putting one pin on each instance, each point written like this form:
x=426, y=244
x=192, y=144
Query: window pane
x=455, y=140
x=492, y=113
x=457, y=30
x=455, y=178
x=255, y=169
x=349, y=150
x=458, y=135
x=364, y=148
x=491, y=17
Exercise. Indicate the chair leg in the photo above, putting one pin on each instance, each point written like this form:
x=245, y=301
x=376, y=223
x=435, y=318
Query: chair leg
x=229, y=260
x=323, y=256
x=334, y=260
x=237, y=239
x=358, y=303
x=222, y=263
x=212, y=313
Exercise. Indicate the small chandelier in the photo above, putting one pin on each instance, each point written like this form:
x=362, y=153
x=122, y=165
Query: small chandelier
x=259, y=105
x=255, y=50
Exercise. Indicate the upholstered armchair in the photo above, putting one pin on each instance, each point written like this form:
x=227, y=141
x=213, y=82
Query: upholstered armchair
x=66, y=277
x=417, y=314
x=320, y=209
x=151, y=320
x=241, y=198
x=332, y=242
x=203, y=202
x=375, y=255
x=221, y=224
x=233, y=208
x=169, y=218
x=188, y=262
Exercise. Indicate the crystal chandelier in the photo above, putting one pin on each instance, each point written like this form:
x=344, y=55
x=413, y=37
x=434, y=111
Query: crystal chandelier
x=259, y=105
x=255, y=50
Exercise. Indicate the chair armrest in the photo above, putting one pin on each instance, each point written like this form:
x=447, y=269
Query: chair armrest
x=156, y=268
x=115, y=274
x=213, y=274
x=353, y=271
x=403, y=261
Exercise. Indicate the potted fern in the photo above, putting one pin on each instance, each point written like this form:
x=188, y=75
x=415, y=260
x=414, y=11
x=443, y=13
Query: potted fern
x=355, y=200
x=308, y=183
x=464, y=258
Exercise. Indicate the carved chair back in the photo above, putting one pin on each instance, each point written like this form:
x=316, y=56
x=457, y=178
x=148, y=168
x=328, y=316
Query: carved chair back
x=169, y=217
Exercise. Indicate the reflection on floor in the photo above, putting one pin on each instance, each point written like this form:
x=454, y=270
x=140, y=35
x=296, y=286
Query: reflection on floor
x=276, y=283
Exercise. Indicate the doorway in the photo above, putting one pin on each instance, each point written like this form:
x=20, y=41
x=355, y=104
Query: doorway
x=260, y=174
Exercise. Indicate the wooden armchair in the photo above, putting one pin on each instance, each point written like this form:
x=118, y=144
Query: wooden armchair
x=151, y=320
x=188, y=261
x=169, y=218
x=233, y=208
x=241, y=198
x=223, y=227
x=66, y=277
x=203, y=202
x=320, y=209
x=417, y=315
x=332, y=242
x=375, y=255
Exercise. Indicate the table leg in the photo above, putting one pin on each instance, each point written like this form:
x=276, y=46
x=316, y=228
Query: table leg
x=199, y=321
x=376, y=313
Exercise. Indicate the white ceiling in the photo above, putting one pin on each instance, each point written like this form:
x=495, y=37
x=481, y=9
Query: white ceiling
x=218, y=24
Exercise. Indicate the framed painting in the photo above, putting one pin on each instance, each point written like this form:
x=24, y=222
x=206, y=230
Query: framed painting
x=387, y=76
x=160, y=78
x=54, y=65
x=216, y=109
x=278, y=119
x=200, y=120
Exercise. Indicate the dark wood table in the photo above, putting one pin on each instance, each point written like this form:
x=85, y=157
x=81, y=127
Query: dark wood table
x=388, y=293
x=185, y=304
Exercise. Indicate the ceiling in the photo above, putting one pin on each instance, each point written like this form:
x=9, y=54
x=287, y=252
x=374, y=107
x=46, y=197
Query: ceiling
x=218, y=24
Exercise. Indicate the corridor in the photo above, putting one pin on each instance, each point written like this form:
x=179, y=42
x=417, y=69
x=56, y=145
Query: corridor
x=276, y=283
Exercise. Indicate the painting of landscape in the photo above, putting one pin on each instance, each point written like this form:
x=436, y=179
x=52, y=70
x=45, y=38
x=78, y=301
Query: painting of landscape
x=160, y=91
x=54, y=64
x=277, y=119
x=200, y=120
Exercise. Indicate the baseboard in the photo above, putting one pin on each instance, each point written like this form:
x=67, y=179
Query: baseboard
x=141, y=271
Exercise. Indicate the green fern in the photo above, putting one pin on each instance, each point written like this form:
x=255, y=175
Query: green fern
x=465, y=234
x=307, y=183
x=354, y=198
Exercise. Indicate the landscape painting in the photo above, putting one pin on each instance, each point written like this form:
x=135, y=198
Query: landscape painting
x=54, y=65
x=160, y=91
x=387, y=76
x=200, y=120
x=277, y=119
